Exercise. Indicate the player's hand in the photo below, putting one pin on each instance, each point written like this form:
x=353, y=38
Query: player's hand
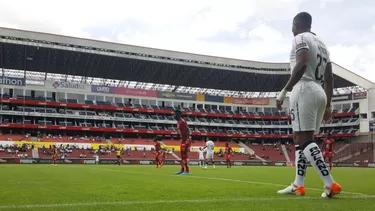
x=280, y=99
x=327, y=113
x=279, y=105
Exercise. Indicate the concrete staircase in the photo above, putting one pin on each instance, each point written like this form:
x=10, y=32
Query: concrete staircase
x=250, y=151
x=342, y=148
x=173, y=154
x=35, y=153
x=285, y=152
x=351, y=156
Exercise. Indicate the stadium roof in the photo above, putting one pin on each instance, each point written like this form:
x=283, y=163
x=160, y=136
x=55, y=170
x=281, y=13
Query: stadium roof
x=40, y=56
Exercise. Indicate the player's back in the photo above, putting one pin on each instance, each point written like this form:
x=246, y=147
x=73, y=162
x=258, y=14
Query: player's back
x=318, y=56
x=210, y=145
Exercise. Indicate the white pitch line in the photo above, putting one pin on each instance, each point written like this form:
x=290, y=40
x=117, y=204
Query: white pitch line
x=228, y=180
x=112, y=203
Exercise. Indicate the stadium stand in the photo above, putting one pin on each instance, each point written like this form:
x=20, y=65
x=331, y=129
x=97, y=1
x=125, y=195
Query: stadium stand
x=90, y=97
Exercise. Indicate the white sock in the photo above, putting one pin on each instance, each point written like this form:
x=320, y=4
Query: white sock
x=314, y=155
x=301, y=167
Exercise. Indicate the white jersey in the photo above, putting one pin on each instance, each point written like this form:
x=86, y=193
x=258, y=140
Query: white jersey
x=200, y=154
x=318, y=56
x=210, y=146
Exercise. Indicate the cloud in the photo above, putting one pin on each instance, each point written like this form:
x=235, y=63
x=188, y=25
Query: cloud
x=361, y=59
x=258, y=30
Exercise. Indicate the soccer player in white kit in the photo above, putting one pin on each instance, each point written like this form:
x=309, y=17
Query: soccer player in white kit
x=209, y=153
x=201, y=156
x=309, y=103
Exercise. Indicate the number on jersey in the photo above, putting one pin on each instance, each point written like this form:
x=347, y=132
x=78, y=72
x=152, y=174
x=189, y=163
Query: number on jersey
x=319, y=68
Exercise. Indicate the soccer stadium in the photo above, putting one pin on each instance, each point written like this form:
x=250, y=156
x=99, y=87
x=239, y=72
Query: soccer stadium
x=92, y=99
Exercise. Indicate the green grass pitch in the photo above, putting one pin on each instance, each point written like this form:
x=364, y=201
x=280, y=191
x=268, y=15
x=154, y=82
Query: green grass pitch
x=137, y=187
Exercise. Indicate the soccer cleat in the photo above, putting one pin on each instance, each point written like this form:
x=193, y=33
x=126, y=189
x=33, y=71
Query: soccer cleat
x=292, y=189
x=186, y=173
x=332, y=191
x=180, y=172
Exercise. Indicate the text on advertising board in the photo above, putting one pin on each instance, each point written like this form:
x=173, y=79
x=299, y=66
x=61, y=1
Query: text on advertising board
x=12, y=81
x=67, y=85
x=135, y=92
x=251, y=101
x=341, y=97
x=175, y=95
x=102, y=89
x=359, y=95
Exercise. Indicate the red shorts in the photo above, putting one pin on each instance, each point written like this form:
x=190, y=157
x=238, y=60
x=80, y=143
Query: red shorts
x=53, y=157
x=227, y=157
x=327, y=154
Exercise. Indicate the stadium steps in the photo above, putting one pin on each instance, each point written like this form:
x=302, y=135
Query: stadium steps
x=250, y=151
x=35, y=153
x=285, y=152
x=173, y=154
x=109, y=141
x=348, y=157
x=342, y=148
x=33, y=139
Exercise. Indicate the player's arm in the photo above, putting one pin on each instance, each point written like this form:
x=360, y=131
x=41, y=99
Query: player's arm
x=302, y=56
x=328, y=83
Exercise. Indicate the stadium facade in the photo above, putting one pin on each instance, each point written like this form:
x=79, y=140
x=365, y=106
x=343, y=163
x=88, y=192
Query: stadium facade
x=58, y=83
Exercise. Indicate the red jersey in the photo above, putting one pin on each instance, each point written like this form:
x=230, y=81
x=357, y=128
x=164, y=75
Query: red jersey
x=183, y=129
x=228, y=150
x=157, y=146
x=328, y=144
x=163, y=155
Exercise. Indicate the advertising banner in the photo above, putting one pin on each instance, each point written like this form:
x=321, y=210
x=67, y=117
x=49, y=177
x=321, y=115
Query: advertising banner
x=337, y=98
x=359, y=95
x=280, y=164
x=102, y=89
x=12, y=81
x=167, y=162
x=251, y=101
x=256, y=163
x=216, y=99
x=177, y=96
x=135, y=92
x=65, y=85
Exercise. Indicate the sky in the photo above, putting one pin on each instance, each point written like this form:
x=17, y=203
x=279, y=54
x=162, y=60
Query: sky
x=257, y=30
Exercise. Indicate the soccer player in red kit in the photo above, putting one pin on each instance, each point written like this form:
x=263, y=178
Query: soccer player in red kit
x=228, y=154
x=184, y=132
x=157, y=151
x=327, y=148
x=54, y=155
